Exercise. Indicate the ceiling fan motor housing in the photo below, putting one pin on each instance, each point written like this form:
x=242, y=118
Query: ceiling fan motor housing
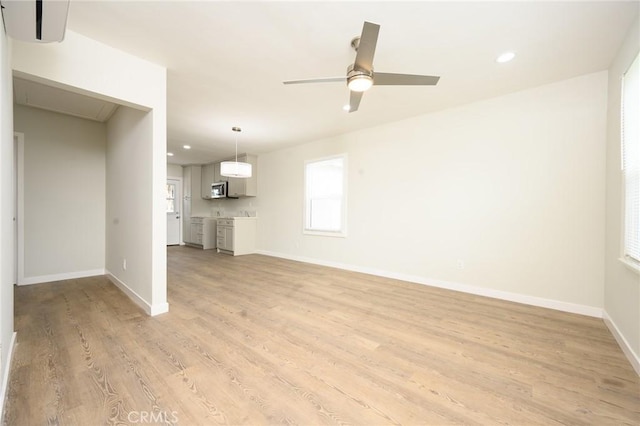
x=355, y=43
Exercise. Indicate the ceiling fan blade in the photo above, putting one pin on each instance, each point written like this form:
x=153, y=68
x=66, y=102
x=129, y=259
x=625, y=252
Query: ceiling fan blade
x=367, y=47
x=317, y=80
x=391, y=79
x=354, y=101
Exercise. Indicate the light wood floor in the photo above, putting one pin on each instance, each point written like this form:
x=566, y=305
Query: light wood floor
x=258, y=340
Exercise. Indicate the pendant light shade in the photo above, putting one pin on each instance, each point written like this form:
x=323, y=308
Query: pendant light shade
x=235, y=169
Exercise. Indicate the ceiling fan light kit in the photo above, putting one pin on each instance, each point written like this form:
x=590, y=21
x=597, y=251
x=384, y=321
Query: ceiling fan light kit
x=235, y=169
x=360, y=76
x=359, y=81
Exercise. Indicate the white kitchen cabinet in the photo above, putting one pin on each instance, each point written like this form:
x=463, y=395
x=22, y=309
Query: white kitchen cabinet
x=245, y=187
x=196, y=231
x=216, y=174
x=192, y=202
x=186, y=230
x=236, y=235
x=224, y=235
x=208, y=177
x=202, y=232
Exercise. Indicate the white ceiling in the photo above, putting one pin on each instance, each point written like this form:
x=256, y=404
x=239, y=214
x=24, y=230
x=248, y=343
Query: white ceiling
x=226, y=60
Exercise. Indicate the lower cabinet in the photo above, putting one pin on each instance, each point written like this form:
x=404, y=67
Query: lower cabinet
x=197, y=228
x=224, y=236
x=237, y=235
x=202, y=232
x=186, y=230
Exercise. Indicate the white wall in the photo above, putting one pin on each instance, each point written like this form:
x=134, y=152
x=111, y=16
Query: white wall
x=513, y=186
x=174, y=171
x=64, y=195
x=85, y=66
x=128, y=199
x=622, y=285
x=236, y=206
x=6, y=216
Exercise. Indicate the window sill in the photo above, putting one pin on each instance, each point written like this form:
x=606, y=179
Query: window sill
x=338, y=234
x=631, y=265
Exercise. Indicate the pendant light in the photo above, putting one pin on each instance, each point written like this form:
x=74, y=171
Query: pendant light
x=235, y=169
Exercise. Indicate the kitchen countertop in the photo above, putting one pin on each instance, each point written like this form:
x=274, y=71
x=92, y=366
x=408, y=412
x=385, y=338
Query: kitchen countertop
x=238, y=217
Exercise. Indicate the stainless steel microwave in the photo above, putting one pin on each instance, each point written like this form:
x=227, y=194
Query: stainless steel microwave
x=219, y=189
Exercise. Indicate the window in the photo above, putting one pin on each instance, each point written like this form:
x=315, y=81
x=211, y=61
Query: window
x=631, y=161
x=171, y=198
x=325, y=196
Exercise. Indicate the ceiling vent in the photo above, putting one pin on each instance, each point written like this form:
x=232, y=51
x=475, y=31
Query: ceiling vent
x=40, y=21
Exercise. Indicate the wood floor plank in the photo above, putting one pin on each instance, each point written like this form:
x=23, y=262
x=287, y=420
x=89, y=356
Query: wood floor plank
x=260, y=340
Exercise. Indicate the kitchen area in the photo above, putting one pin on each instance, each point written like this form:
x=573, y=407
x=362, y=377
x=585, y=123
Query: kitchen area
x=218, y=211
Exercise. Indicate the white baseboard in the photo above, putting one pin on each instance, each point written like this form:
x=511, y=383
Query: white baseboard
x=60, y=277
x=465, y=288
x=150, y=309
x=633, y=358
x=6, y=373
x=159, y=308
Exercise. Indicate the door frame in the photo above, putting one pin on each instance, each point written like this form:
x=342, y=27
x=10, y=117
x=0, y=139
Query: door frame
x=179, y=204
x=18, y=176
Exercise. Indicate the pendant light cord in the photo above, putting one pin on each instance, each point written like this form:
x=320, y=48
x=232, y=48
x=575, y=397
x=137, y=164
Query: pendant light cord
x=237, y=130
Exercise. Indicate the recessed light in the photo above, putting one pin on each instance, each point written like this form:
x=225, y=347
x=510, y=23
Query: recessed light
x=186, y=146
x=347, y=107
x=505, y=57
x=169, y=154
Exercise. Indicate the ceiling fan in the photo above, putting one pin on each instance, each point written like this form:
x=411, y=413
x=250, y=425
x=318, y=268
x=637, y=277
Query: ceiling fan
x=360, y=75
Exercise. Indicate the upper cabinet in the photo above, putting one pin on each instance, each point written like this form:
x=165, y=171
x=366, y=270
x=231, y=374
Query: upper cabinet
x=216, y=173
x=245, y=187
x=193, y=204
x=238, y=187
x=208, y=177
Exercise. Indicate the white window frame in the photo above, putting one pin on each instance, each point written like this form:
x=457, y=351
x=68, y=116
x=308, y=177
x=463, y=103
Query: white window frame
x=630, y=255
x=342, y=232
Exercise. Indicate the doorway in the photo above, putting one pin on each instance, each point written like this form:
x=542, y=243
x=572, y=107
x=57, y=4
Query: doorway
x=173, y=211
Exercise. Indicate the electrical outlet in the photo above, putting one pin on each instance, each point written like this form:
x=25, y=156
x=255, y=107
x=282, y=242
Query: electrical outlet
x=124, y=264
x=460, y=264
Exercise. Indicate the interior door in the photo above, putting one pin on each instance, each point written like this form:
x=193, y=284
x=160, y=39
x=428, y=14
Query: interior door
x=173, y=212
